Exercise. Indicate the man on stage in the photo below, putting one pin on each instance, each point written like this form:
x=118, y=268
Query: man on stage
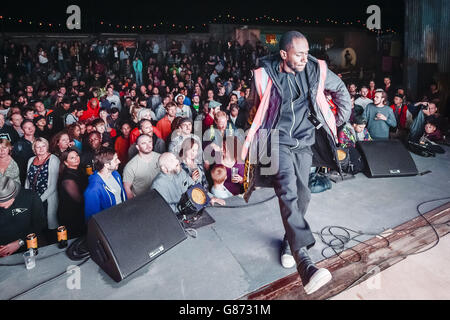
x=287, y=98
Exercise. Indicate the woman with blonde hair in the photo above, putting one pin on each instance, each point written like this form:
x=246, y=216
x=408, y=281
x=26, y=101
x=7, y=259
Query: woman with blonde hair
x=8, y=167
x=42, y=178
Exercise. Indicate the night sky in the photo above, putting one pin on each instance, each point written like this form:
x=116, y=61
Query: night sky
x=197, y=12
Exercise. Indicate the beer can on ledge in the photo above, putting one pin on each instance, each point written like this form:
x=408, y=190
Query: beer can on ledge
x=32, y=243
x=62, y=237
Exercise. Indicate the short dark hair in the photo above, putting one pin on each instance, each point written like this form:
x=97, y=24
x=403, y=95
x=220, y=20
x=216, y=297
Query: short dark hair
x=114, y=110
x=102, y=157
x=142, y=121
x=359, y=120
x=287, y=38
x=25, y=121
x=98, y=121
x=26, y=110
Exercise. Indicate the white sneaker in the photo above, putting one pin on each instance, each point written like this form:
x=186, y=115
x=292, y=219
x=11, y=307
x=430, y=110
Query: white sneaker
x=287, y=261
x=317, y=280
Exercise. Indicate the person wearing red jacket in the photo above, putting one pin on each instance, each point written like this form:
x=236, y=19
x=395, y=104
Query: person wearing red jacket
x=372, y=88
x=401, y=115
x=93, y=109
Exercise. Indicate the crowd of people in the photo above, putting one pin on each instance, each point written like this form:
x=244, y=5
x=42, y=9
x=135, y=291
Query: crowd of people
x=84, y=127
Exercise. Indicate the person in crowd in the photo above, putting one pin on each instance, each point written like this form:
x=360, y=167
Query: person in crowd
x=379, y=116
x=155, y=100
x=189, y=157
x=113, y=119
x=74, y=114
x=42, y=129
x=137, y=67
x=140, y=171
x=23, y=148
x=28, y=113
x=144, y=114
x=217, y=135
x=172, y=182
x=165, y=124
x=403, y=118
x=389, y=88
x=71, y=184
x=426, y=111
x=60, y=142
x=122, y=144
x=230, y=151
x=60, y=114
x=113, y=99
x=218, y=176
x=7, y=131
x=74, y=133
x=105, y=188
x=41, y=110
x=8, y=167
x=214, y=107
x=363, y=100
x=145, y=127
x=236, y=117
x=372, y=89
x=93, y=145
x=183, y=132
x=182, y=109
x=100, y=127
x=353, y=132
x=92, y=111
x=21, y=213
x=42, y=178
x=15, y=120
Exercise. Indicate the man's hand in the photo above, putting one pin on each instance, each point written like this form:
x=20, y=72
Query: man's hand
x=9, y=249
x=217, y=200
x=237, y=179
x=381, y=116
x=195, y=175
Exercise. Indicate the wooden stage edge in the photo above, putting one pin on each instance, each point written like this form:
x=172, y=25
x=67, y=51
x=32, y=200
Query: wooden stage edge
x=365, y=259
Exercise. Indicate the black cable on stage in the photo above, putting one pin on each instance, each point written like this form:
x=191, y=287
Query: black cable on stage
x=358, y=280
x=78, y=249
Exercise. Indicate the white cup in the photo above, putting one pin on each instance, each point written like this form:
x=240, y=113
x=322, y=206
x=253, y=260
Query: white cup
x=30, y=259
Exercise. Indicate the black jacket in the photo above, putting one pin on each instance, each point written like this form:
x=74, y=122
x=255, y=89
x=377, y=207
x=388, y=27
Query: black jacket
x=324, y=149
x=24, y=216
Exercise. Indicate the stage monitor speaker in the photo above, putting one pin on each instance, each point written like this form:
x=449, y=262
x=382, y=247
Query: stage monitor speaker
x=387, y=158
x=124, y=238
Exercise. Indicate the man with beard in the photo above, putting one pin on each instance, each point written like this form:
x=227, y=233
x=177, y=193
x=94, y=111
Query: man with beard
x=140, y=171
x=172, y=182
x=293, y=104
x=105, y=187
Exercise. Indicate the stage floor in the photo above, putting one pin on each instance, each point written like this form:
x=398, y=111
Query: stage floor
x=239, y=253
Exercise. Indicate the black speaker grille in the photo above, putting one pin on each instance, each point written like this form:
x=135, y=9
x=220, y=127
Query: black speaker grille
x=136, y=232
x=387, y=158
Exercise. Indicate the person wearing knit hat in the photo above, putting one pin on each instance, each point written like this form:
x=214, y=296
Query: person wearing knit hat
x=21, y=213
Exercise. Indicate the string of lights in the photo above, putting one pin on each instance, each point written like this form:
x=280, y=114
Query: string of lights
x=104, y=25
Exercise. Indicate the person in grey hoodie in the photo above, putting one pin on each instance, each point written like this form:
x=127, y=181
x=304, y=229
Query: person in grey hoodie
x=306, y=138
